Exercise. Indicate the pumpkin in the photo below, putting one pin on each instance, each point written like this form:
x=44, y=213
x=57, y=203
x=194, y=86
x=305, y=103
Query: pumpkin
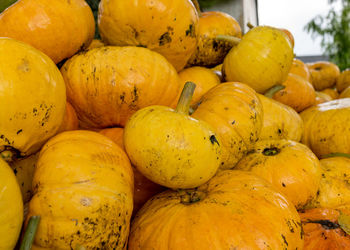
x=169, y=27
x=96, y=43
x=290, y=36
x=57, y=28
x=11, y=207
x=289, y=166
x=235, y=113
x=144, y=189
x=322, y=97
x=83, y=186
x=262, y=59
x=343, y=80
x=345, y=93
x=70, y=119
x=332, y=92
x=171, y=148
x=107, y=85
x=211, y=51
x=234, y=210
x=280, y=121
x=299, y=68
x=334, y=186
x=32, y=97
x=323, y=74
x=323, y=229
x=298, y=93
x=326, y=127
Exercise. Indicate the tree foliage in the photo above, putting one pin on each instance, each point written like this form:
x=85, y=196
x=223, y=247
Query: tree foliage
x=334, y=29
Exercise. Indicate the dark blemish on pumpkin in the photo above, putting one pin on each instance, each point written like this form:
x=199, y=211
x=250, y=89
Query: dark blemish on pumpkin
x=233, y=122
x=19, y=131
x=122, y=97
x=284, y=239
x=191, y=31
x=141, y=45
x=164, y=39
x=24, y=66
x=136, y=97
x=214, y=140
x=284, y=185
x=279, y=131
x=326, y=224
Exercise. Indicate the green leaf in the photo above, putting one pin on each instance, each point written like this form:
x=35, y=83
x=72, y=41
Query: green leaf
x=94, y=7
x=6, y=3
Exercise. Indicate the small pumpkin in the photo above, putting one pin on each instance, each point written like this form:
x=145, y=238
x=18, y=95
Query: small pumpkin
x=234, y=210
x=326, y=127
x=169, y=27
x=343, y=80
x=83, y=190
x=11, y=207
x=57, y=28
x=332, y=92
x=345, y=93
x=279, y=121
x=262, y=59
x=322, y=97
x=323, y=229
x=289, y=166
x=70, y=119
x=107, y=85
x=323, y=74
x=171, y=148
x=235, y=113
x=299, y=68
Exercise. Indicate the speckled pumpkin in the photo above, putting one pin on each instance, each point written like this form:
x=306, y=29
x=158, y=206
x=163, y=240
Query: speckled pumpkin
x=32, y=97
x=83, y=191
x=107, y=85
x=56, y=27
x=326, y=127
x=289, y=166
x=169, y=27
x=234, y=210
x=235, y=113
x=323, y=74
x=343, y=80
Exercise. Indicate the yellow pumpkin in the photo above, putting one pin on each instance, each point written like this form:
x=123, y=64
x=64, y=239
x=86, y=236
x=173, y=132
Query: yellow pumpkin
x=345, y=93
x=332, y=92
x=289, y=166
x=280, y=121
x=169, y=27
x=262, y=59
x=83, y=192
x=57, y=28
x=96, y=43
x=32, y=97
x=107, y=85
x=323, y=74
x=11, y=208
x=326, y=127
x=234, y=210
x=322, y=97
x=171, y=148
x=343, y=80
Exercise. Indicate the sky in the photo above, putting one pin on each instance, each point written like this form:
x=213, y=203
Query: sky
x=294, y=15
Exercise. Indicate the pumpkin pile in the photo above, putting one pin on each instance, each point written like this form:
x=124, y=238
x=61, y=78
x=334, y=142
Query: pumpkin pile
x=173, y=131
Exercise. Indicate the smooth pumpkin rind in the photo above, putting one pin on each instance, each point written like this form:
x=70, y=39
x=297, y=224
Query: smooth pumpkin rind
x=323, y=74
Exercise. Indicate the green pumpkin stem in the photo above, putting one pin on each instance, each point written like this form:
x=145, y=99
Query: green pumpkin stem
x=183, y=105
x=30, y=233
x=335, y=155
x=232, y=40
x=80, y=247
x=250, y=25
x=273, y=90
x=8, y=154
x=271, y=151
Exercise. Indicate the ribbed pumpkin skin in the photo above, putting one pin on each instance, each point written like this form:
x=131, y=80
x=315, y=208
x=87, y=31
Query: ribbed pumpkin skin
x=332, y=92
x=169, y=27
x=32, y=97
x=11, y=207
x=235, y=113
x=343, y=80
x=323, y=74
x=70, y=119
x=345, y=93
x=234, y=210
x=262, y=59
x=57, y=28
x=326, y=127
x=209, y=51
x=83, y=189
x=322, y=231
x=280, y=121
x=322, y=97
x=299, y=68
x=107, y=85
x=289, y=166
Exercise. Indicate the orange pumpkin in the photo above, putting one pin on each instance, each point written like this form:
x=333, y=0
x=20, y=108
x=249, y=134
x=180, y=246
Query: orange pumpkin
x=322, y=97
x=345, y=93
x=323, y=229
x=107, y=85
x=323, y=74
x=343, y=80
x=299, y=68
x=70, y=119
x=234, y=210
x=57, y=28
x=96, y=43
x=332, y=92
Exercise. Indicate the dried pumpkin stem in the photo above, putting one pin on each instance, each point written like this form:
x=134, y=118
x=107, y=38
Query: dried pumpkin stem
x=184, y=102
x=8, y=154
x=250, y=25
x=229, y=39
x=30, y=233
x=271, y=151
x=335, y=155
x=273, y=90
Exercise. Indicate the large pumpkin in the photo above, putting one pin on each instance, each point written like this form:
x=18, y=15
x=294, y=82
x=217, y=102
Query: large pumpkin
x=107, y=85
x=57, y=28
x=326, y=127
x=289, y=166
x=169, y=27
x=32, y=97
x=11, y=208
x=235, y=113
x=83, y=189
x=234, y=210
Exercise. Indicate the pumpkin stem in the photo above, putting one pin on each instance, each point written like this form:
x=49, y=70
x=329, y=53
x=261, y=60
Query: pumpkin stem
x=232, y=40
x=191, y=196
x=271, y=151
x=183, y=105
x=250, y=25
x=337, y=154
x=198, y=8
x=30, y=233
x=273, y=90
x=80, y=247
x=8, y=154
